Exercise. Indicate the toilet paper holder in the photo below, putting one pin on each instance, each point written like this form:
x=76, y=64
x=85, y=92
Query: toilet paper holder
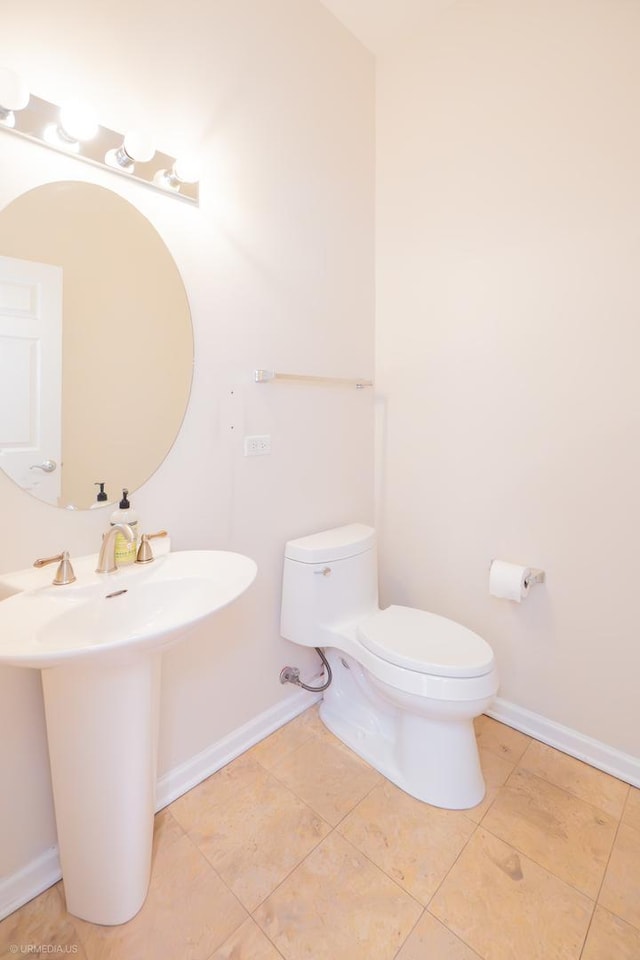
x=535, y=576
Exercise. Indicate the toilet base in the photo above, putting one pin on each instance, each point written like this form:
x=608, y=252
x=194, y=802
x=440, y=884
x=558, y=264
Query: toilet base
x=427, y=748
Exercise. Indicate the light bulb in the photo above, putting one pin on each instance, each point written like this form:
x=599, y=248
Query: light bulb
x=187, y=169
x=14, y=95
x=77, y=121
x=137, y=147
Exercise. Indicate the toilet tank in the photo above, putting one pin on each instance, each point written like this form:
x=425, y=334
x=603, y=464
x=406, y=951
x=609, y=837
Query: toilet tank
x=330, y=579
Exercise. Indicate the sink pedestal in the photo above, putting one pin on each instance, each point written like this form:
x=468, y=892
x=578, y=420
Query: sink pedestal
x=102, y=729
x=98, y=643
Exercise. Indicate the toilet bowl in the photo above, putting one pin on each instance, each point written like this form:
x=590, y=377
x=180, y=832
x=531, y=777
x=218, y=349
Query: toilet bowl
x=406, y=684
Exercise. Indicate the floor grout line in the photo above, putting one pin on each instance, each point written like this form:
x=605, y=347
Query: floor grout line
x=576, y=796
x=604, y=877
x=401, y=947
x=548, y=870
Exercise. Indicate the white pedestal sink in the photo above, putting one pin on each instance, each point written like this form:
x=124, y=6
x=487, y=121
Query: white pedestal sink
x=98, y=643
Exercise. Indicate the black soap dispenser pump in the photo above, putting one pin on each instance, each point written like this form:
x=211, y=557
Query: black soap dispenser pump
x=101, y=497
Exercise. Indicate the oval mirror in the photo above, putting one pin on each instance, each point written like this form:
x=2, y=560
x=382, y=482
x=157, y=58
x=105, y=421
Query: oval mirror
x=96, y=344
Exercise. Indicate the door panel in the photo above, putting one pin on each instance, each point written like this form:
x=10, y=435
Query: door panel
x=31, y=375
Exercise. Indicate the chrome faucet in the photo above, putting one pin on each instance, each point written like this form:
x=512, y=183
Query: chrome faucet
x=107, y=557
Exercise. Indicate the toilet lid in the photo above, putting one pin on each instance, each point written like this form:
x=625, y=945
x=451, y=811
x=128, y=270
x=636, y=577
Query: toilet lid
x=425, y=642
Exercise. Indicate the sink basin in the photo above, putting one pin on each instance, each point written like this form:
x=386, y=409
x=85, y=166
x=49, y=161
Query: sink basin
x=136, y=608
x=98, y=643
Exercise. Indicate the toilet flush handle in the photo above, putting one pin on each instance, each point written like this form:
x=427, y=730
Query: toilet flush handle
x=325, y=572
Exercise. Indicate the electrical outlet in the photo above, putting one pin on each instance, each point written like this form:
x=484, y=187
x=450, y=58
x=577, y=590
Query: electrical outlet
x=257, y=446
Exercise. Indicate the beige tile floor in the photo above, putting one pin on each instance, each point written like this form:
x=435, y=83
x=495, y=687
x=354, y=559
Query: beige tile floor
x=299, y=850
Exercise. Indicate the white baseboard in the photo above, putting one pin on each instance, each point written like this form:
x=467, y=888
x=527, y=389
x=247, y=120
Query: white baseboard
x=25, y=884
x=193, y=771
x=622, y=765
x=42, y=872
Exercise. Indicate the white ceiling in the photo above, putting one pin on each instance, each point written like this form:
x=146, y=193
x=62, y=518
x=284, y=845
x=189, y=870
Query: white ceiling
x=381, y=24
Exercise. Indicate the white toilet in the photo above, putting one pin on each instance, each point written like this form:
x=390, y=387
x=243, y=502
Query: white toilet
x=406, y=684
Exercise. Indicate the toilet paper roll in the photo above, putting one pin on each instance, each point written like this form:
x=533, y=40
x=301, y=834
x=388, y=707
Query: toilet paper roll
x=509, y=581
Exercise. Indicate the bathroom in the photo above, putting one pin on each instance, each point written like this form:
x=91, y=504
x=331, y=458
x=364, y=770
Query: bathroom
x=453, y=218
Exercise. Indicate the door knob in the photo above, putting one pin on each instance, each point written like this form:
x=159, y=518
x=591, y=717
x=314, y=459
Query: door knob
x=47, y=465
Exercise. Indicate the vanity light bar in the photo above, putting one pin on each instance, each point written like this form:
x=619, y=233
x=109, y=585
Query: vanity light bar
x=40, y=121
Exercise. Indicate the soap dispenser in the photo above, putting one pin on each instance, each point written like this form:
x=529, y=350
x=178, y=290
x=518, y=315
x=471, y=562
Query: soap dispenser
x=101, y=497
x=125, y=551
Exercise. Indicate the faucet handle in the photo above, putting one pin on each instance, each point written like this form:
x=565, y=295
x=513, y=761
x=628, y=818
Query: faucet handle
x=145, y=554
x=64, y=573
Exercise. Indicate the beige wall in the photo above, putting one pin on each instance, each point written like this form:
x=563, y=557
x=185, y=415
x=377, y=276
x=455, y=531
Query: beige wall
x=278, y=267
x=508, y=341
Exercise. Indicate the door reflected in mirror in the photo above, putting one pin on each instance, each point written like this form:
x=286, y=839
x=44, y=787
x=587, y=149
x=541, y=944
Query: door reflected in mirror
x=96, y=344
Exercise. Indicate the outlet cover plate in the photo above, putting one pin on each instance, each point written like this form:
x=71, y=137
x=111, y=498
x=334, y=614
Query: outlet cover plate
x=258, y=445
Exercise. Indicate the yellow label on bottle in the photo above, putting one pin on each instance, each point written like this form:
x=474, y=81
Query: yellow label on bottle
x=125, y=551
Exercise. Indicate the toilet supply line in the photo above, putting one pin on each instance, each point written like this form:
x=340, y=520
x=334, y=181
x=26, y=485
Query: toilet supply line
x=292, y=675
